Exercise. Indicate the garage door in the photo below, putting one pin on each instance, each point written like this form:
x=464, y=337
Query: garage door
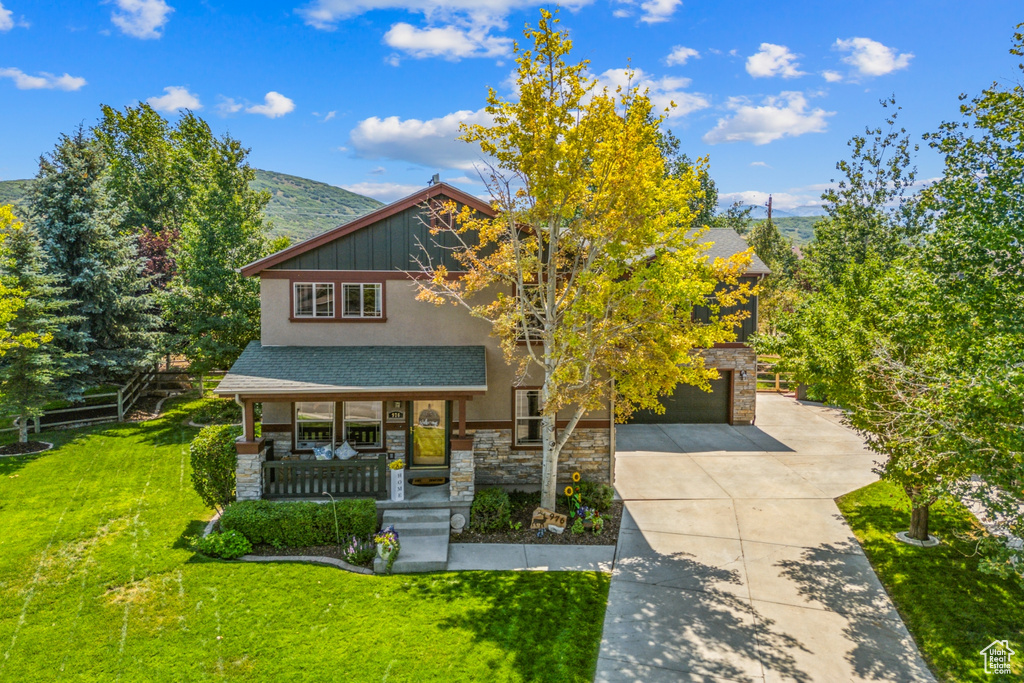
x=689, y=405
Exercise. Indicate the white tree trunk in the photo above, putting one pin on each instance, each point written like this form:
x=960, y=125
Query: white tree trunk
x=549, y=463
x=23, y=428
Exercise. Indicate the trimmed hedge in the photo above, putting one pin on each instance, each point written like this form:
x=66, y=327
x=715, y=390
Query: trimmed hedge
x=298, y=524
x=491, y=510
x=214, y=460
x=228, y=545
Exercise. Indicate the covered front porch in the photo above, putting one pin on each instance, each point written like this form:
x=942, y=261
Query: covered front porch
x=334, y=418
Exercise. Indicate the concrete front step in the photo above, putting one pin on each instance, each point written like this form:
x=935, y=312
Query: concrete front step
x=423, y=535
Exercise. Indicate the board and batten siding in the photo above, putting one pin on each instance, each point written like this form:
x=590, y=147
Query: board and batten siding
x=388, y=245
x=748, y=327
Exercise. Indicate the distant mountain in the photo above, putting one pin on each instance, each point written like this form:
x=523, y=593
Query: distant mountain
x=299, y=208
x=800, y=229
x=760, y=212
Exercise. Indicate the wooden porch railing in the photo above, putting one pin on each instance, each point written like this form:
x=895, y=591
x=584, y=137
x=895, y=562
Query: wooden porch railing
x=313, y=478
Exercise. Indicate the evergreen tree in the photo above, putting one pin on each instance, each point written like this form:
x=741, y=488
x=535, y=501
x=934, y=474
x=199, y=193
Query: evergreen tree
x=28, y=373
x=779, y=291
x=80, y=230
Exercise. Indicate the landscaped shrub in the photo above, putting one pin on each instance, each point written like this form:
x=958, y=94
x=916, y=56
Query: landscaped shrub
x=217, y=411
x=294, y=525
x=491, y=510
x=214, y=458
x=597, y=496
x=227, y=545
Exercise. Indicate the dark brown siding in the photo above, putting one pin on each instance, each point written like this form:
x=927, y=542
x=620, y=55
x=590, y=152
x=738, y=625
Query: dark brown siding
x=748, y=327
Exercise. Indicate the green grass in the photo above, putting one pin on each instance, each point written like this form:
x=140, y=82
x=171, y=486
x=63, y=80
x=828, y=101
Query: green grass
x=97, y=582
x=952, y=609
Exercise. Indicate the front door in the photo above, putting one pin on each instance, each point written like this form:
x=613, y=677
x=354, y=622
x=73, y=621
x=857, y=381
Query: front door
x=429, y=432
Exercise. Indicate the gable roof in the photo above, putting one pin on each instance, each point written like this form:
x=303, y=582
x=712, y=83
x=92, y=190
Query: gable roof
x=415, y=199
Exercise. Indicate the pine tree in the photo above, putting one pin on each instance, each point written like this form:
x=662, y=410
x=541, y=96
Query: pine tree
x=29, y=372
x=113, y=331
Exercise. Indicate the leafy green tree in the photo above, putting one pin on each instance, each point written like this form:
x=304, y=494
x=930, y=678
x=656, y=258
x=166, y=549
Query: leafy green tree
x=704, y=204
x=214, y=311
x=28, y=372
x=588, y=260
x=872, y=210
x=113, y=331
x=975, y=253
x=737, y=217
x=12, y=298
x=779, y=291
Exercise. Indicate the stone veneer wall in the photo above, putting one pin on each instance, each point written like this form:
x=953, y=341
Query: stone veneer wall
x=744, y=397
x=282, y=445
x=462, y=478
x=497, y=463
x=249, y=475
x=394, y=440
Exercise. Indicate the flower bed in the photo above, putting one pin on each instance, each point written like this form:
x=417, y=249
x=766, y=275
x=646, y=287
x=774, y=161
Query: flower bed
x=522, y=505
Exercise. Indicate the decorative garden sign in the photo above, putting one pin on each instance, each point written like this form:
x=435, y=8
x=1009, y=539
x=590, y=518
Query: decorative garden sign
x=542, y=518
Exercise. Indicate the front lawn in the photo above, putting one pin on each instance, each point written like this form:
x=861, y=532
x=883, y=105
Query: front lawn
x=98, y=583
x=952, y=609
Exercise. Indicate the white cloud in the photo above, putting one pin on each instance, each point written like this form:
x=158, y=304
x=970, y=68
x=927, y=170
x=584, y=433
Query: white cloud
x=177, y=97
x=680, y=55
x=663, y=92
x=6, y=18
x=380, y=170
x=329, y=115
x=652, y=11
x=871, y=58
x=275, y=105
x=385, y=192
x=762, y=164
x=141, y=18
x=429, y=143
x=326, y=14
x=450, y=42
x=783, y=201
x=832, y=76
x=228, y=106
x=42, y=81
x=773, y=60
x=784, y=115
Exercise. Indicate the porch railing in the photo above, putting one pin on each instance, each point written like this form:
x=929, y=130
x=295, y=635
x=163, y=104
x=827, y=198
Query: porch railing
x=313, y=478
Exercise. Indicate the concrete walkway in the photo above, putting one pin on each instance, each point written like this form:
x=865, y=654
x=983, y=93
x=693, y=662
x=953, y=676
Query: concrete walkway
x=514, y=557
x=734, y=563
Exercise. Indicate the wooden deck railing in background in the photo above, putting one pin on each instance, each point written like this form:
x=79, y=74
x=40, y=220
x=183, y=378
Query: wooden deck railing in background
x=314, y=478
x=770, y=380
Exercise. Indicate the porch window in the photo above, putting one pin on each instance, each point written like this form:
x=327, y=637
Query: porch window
x=361, y=423
x=362, y=300
x=314, y=424
x=528, y=417
x=314, y=300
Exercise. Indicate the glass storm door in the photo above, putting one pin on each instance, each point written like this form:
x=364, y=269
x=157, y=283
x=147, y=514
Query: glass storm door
x=429, y=431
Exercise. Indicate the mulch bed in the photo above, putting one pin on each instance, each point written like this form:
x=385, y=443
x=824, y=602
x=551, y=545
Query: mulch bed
x=24, y=448
x=334, y=551
x=523, y=505
x=144, y=409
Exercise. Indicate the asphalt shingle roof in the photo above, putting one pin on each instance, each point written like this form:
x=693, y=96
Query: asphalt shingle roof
x=726, y=242
x=304, y=369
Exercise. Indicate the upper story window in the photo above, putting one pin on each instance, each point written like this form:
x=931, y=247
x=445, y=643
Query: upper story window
x=314, y=300
x=362, y=300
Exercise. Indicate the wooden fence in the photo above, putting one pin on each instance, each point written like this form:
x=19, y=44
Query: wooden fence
x=314, y=478
x=115, y=405
x=768, y=379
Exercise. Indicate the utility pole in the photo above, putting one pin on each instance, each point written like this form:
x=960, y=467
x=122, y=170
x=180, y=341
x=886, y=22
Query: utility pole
x=769, y=208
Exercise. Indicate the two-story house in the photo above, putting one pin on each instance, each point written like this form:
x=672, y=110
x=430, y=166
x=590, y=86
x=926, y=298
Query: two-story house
x=347, y=355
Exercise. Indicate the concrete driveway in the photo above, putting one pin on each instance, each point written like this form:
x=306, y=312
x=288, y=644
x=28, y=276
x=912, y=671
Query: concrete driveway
x=734, y=563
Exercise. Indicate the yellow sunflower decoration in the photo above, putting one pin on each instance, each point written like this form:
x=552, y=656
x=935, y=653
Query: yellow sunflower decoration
x=576, y=476
x=568, y=491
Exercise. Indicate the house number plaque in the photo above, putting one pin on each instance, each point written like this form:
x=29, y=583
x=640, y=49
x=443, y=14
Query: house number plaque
x=396, y=412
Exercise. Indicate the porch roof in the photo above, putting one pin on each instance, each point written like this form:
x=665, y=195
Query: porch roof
x=262, y=370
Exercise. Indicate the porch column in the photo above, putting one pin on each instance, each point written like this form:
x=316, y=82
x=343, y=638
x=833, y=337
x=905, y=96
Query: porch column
x=462, y=418
x=248, y=421
x=252, y=453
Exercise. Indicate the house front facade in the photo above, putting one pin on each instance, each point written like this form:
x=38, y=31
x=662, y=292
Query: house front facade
x=350, y=365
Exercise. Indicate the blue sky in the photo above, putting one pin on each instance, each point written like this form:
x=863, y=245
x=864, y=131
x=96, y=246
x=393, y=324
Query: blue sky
x=367, y=94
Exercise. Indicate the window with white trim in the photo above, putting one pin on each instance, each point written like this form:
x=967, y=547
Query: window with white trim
x=314, y=300
x=529, y=409
x=314, y=424
x=362, y=423
x=362, y=300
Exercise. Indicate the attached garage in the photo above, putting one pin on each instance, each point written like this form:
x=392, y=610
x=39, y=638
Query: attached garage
x=690, y=405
